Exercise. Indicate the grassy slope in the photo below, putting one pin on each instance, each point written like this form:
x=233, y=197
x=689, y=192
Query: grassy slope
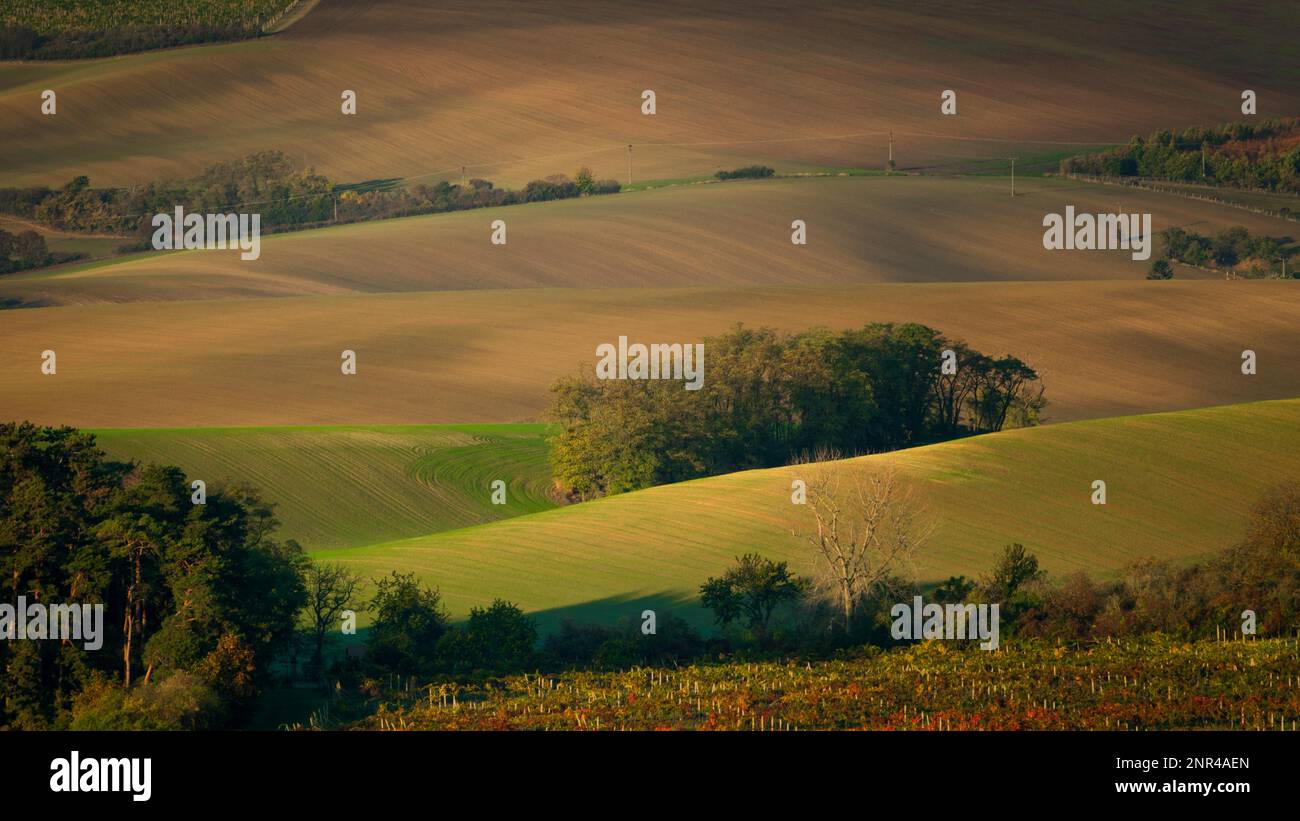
x=860, y=229
x=1179, y=486
x=1104, y=348
x=518, y=90
x=348, y=486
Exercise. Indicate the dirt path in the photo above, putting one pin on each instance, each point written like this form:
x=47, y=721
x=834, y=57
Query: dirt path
x=291, y=15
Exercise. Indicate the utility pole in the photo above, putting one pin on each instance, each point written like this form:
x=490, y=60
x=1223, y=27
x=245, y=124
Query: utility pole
x=891, y=151
x=336, y=206
x=1013, y=175
x=462, y=176
x=629, y=165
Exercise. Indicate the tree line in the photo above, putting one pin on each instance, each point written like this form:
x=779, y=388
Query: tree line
x=761, y=603
x=767, y=398
x=1232, y=249
x=1260, y=574
x=270, y=183
x=749, y=172
x=199, y=598
x=1261, y=156
x=27, y=249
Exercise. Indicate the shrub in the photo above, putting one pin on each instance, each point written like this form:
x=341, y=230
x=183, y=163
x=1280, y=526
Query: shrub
x=498, y=639
x=752, y=589
x=749, y=172
x=1161, y=269
x=409, y=623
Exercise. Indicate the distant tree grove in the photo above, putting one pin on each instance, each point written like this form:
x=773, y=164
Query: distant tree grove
x=273, y=185
x=769, y=398
x=1263, y=156
x=26, y=249
x=1232, y=249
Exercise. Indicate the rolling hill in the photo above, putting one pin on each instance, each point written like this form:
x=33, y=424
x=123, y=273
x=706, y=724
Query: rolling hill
x=1103, y=348
x=512, y=89
x=860, y=229
x=1179, y=486
x=347, y=486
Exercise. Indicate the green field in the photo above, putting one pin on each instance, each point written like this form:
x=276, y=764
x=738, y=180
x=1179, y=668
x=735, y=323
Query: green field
x=347, y=486
x=1180, y=486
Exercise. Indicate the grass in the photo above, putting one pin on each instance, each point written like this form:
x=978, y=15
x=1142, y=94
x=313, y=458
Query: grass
x=448, y=84
x=347, y=486
x=1179, y=486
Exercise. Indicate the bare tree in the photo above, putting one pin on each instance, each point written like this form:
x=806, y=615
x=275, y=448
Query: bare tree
x=331, y=589
x=866, y=528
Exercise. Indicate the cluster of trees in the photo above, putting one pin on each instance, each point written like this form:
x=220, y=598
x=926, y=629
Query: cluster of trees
x=26, y=249
x=355, y=206
x=1231, y=248
x=198, y=598
x=271, y=184
x=749, y=172
x=768, y=398
x=1263, y=156
x=267, y=182
x=19, y=42
x=412, y=636
x=1261, y=574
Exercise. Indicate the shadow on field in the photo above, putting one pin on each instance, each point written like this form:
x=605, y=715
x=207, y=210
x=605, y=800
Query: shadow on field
x=613, y=609
x=10, y=303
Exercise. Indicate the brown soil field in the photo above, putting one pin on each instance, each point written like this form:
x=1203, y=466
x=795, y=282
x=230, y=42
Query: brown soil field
x=1104, y=348
x=516, y=90
x=734, y=234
